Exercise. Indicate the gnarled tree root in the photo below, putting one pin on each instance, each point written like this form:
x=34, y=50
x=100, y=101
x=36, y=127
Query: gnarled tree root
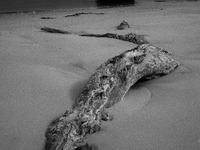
x=107, y=86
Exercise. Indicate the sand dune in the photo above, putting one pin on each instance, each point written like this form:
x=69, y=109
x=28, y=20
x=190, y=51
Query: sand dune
x=42, y=74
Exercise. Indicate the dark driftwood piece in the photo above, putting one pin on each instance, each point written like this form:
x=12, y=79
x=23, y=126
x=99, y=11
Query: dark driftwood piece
x=130, y=37
x=53, y=30
x=123, y=25
x=78, y=14
x=47, y=17
x=107, y=86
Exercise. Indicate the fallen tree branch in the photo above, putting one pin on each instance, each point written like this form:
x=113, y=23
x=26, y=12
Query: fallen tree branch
x=107, y=86
x=130, y=37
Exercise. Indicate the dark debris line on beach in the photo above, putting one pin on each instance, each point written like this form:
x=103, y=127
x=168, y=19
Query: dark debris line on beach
x=82, y=13
x=74, y=15
x=130, y=37
x=53, y=30
x=47, y=17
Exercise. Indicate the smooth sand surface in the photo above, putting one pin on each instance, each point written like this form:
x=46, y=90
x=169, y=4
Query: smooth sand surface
x=41, y=75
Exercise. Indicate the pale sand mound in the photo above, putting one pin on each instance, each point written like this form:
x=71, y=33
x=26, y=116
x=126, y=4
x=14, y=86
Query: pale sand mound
x=134, y=100
x=41, y=75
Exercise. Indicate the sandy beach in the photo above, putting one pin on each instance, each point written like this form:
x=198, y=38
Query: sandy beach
x=42, y=74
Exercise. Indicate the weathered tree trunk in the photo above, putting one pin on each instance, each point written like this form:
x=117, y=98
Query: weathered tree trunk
x=107, y=86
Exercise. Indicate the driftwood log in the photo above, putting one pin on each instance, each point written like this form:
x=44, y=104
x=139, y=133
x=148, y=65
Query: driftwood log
x=107, y=86
x=53, y=30
x=130, y=37
x=47, y=17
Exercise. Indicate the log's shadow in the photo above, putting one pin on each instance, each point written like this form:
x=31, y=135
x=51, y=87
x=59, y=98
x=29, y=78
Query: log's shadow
x=76, y=89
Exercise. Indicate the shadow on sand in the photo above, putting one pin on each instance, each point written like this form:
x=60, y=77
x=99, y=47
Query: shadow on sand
x=76, y=89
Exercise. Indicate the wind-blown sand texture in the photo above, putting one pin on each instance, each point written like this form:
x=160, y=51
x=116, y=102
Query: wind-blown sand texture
x=42, y=75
